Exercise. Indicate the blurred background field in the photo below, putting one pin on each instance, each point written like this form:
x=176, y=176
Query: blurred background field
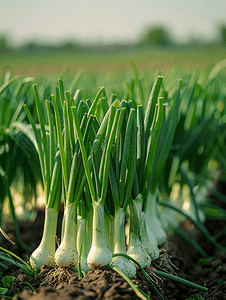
x=44, y=37
x=41, y=62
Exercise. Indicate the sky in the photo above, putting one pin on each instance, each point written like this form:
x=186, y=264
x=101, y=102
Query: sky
x=107, y=21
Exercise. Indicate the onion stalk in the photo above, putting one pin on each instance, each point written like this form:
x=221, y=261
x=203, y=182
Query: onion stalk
x=82, y=239
x=66, y=254
x=99, y=254
x=135, y=247
x=44, y=254
x=152, y=221
x=49, y=157
x=121, y=179
x=120, y=262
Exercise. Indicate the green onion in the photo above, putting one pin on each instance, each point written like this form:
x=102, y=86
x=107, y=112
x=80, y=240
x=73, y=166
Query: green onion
x=51, y=173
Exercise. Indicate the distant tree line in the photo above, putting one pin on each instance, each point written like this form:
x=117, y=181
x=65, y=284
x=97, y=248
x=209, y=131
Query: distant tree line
x=157, y=36
x=160, y=36
x=39, y=47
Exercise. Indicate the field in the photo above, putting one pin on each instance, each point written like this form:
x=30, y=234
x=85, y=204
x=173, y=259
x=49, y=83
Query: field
x=111, y=153
x=99, y=61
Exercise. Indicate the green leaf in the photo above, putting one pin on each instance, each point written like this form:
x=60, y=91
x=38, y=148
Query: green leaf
x=152, y=145
x=149, y=114
x=7, y=281
x=6, y=84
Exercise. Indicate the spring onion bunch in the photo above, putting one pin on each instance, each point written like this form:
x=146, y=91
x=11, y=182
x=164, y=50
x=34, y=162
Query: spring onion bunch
x=121, y=176
x=155, y=130
x=105, y=160
x=124, y=179
x=99, y=254
x=74, y=175
x=161, y=140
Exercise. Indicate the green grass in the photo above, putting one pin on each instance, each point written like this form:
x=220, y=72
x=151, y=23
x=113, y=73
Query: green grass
x=46, y=63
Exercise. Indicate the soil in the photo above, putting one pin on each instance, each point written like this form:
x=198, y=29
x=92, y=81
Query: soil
x=63, y=284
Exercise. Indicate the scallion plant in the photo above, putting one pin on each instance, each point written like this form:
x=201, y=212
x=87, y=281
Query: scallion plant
x=49, y=156
x=122, y=170
x=99, y=254
x=73, y=171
